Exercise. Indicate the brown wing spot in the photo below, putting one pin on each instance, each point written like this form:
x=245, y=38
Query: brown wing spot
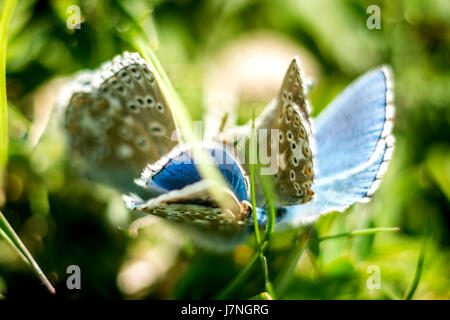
x=306, y=151
x=81, y=100
x=103, y=104
x=301, y=132
x=308, y=170
x=296, y=119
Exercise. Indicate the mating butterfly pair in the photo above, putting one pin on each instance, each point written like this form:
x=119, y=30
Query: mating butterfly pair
x=119, y=121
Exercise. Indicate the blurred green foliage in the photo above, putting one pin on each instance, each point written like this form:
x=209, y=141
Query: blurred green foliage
x=64, y=219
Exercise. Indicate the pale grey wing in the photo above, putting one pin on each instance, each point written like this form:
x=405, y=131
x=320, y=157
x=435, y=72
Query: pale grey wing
x=284, y=141
x=193, y=206
x=118, y=120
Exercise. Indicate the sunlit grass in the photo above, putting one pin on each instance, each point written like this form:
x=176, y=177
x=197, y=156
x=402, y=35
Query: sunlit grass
x=6, y=14
x=6, y=231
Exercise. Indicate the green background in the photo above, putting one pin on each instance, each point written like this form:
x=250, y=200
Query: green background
x=64, y=219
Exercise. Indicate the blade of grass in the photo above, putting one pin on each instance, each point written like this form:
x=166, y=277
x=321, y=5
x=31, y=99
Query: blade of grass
x=361, y=232
x=242, y=275
x=5, y=17
x=418, y=272
x=252, y=181
x=287, y=271
x=268, y=188
x=262, y=296
x=253, y=162
x=236, y=282
x=8, y=233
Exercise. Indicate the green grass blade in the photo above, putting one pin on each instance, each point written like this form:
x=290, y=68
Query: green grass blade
x=6, y=14
x=8, y=233
x=361, y=232
x=287, y=271
x=268, y=188
x=418, y=272
x=242, y=275
x=253, y=165
x=252, y=180
x=262, y=296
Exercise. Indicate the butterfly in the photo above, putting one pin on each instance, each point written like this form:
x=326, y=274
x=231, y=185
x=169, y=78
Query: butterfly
x=287, y=124
x=352, y=137
x=118, y=120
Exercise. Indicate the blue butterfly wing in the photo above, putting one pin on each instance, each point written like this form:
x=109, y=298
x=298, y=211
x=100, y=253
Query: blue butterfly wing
x=354, y=146
x=178, y=170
